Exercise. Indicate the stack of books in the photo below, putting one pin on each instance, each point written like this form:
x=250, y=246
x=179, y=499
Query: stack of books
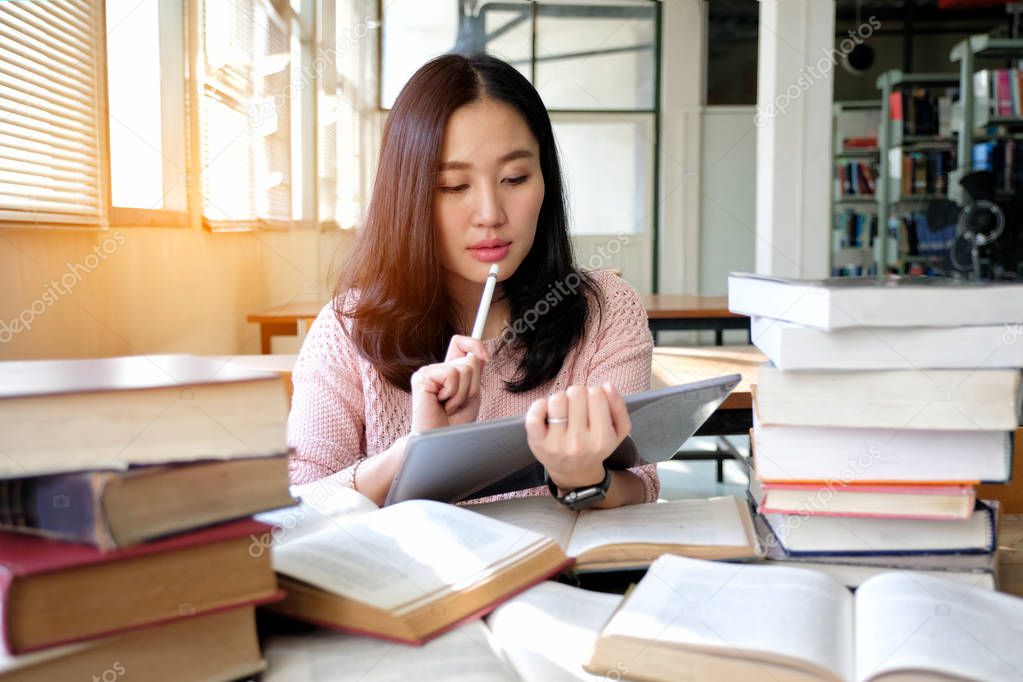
x=886, y=401
x=127, y=487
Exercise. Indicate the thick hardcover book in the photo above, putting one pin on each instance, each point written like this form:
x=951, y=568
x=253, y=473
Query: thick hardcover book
x=56, y=592
x=801, y=535
x=408, y=572
x=703, y=620
x=75, y=415
x=111, y=509
x=843, y=302
x=797, y=347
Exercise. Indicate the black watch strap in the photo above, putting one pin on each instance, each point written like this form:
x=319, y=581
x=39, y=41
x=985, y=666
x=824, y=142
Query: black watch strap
x=580, y=498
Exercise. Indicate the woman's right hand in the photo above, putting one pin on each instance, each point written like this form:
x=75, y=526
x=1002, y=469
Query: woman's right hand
x=448, y=393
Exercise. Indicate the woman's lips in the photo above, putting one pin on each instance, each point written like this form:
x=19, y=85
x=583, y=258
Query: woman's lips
x=490, y=254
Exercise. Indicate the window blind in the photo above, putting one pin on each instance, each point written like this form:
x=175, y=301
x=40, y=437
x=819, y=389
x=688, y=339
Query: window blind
x=246, y=114
x=52, y=130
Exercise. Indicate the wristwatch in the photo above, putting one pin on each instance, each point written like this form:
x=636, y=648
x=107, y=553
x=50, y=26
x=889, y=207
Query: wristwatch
x=580, y=498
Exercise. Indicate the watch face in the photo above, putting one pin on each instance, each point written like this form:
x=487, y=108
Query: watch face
x=585, y=498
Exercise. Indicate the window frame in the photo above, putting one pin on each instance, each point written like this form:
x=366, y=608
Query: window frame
x=653, y=232
x=180, y=83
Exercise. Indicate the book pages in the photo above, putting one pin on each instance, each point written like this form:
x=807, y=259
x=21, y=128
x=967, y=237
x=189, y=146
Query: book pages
x=913, y=623
x=697, y=522
x=548, y=632
x=790, y=616
x=401, y=555
x=462, y=655
x=536, y=513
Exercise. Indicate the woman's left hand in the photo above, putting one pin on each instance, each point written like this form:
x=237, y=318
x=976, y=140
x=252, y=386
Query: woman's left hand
x=573, y=432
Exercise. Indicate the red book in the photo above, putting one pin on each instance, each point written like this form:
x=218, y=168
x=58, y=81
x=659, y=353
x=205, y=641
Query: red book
x=1004, y=93
x=55, y=592
x=895, y=106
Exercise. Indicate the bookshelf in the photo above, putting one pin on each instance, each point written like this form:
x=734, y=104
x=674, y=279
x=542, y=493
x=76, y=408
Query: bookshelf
x=853, y=200
x=895, y=144
x=967, y=53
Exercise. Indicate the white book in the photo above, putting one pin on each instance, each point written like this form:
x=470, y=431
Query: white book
x=793, y=346
x=843, y=302
x=892, y=455
x=692, y=619
x=940, y=399
x=545, y=633
x=847, y=535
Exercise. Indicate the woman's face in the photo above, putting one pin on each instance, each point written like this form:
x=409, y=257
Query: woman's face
x=488, y=193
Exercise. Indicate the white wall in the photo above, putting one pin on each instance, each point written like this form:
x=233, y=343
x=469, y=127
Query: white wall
x=728, y=173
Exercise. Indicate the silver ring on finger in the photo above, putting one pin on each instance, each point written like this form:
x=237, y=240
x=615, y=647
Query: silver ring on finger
x=557, y=420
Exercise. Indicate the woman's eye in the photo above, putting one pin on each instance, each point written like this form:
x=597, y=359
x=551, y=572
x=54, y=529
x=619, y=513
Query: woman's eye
x=517, y=181
x=454, y=188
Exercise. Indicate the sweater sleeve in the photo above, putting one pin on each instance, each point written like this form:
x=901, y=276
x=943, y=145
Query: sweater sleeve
x=326, y=425
x=624, y=353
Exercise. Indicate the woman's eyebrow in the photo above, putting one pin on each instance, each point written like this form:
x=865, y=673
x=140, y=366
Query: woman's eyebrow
x=463, y=165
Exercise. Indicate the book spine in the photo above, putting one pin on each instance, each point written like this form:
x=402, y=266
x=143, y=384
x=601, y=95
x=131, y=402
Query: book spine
x=1004, y=93
x=62, y=507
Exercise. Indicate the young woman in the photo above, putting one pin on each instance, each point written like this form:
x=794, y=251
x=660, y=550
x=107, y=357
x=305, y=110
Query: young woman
x=469, y=176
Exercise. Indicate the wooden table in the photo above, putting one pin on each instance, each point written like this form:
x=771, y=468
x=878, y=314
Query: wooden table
x=734, y=417
x=290, y=319
x=665, y=312
x=686, y=312
x=1010, y=554
x=674, y=366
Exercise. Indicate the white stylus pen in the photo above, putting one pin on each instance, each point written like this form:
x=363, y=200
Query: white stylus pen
x=488, y=295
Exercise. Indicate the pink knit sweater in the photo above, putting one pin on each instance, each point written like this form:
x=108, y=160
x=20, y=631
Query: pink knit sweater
x=343, y=410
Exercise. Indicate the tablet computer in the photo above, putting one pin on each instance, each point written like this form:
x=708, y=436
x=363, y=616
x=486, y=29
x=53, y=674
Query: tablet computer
x=456, y=463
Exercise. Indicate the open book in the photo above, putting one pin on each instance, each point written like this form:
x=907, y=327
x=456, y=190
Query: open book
x=633, y=536
x=690, y=619
x=407, y=572
x=546, y=633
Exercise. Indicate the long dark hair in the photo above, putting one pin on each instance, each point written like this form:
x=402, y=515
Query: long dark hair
x=402, y=317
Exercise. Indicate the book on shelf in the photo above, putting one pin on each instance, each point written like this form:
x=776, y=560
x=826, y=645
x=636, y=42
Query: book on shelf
x=1004, y=159
x=805, y=535
x=842, y=302
x=810, y=454
x=868, y=142
x=919, y=172
x=75, y=415
x=855, y=179
x=921, y=111
x=631, y=537
x=707, y=620
x=854, y=229
x=544, y=633
x=852, y=570
x=111, y=509
x=940, y=399
x=996, y=93
x=215, y=646
x=792, y=346
x=407, y=572
x=56, y=592
x=933, y=502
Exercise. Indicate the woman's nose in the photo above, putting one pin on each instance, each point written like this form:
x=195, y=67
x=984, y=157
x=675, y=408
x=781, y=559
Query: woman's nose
x=488, y=211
